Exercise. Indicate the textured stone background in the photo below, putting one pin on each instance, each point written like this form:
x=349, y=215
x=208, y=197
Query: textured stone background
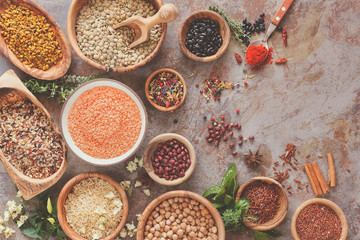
x=313, y=101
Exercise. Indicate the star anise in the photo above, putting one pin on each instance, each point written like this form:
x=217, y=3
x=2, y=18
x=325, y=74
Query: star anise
x=253, y=159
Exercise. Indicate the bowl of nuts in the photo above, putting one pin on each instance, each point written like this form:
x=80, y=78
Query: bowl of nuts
x=169, y=159
x=89, y=27
x=180, y=215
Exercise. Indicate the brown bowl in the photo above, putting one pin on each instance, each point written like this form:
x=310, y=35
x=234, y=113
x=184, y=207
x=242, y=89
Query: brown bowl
x=280, y=215
x=180, y=193
x=147, y=86
x=149, y=153
x=67, y=189
x=326, y=202
x=75, y=7
x=224, y=31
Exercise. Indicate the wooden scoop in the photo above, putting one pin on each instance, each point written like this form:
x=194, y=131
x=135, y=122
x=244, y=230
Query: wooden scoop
x=141, y=26
x=13, y=90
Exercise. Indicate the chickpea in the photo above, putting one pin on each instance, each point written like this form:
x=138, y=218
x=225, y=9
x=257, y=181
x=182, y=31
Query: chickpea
x=162, y=224
x=169, y=234
x=192, y=234
x=167, y=228
x=152, y=230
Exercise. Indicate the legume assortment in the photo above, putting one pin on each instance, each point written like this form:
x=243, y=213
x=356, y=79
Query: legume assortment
x=29, y=141
x=99, y=42
x=104, y=122
x=180, y=218
x=318, y=221
x=30, y=37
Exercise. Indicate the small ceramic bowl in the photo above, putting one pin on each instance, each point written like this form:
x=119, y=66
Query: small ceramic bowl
x=149, y=151
x=326, y=202
x=284, y=203
x=147, y=86
x=70, y=102
x=68, y=188
x=224, y=31
x=214, y=212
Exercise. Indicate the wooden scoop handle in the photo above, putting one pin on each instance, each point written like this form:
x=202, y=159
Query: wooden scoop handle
x=281, y=12
x=167, y=13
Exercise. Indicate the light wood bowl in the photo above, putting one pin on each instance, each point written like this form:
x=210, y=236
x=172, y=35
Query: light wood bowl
x=13, y=90
x=224, y=31
x=280, y=215
x=70, y=102
x=180, y=193
x=326, y=202
x=147, y=86
x=55, y=71
x=75, y=7
x=68, y=188
x=149, y=151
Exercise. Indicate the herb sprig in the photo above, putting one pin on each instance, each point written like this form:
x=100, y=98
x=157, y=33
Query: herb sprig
x=59, y=89
x=233, y=212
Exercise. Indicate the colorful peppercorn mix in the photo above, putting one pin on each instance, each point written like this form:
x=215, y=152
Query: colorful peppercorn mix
x=213, y=86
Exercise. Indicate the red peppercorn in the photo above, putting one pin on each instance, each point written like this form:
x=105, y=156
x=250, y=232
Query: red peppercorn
x=234, y=153
x=251, y=137
x=197, y=85
x=232, y=145
x=215, y=98
x=245, y=83
x=237, y=110
x=222, y=117
x=201, y=91
x=212, y=119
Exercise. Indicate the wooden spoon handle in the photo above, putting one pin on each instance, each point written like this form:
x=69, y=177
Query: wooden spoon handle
x=281, y=12
x=167, y=13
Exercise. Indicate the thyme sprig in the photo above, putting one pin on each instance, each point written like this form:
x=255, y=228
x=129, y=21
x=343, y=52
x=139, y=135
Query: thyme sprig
x=236, y=28
x=59, y=89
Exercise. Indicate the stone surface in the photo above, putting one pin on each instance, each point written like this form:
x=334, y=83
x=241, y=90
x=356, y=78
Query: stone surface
x=312, y=101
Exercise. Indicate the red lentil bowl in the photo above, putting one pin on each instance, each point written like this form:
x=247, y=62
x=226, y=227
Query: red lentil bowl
x=103, y=122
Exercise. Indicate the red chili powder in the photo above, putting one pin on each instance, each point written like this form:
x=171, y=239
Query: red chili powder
x=268, y=60
x=255, y=54
x=318, y=221
x=104, y=122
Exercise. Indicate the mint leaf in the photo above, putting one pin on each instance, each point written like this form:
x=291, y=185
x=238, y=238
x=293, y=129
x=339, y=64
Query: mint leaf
x=261, y=235
x=211, y=191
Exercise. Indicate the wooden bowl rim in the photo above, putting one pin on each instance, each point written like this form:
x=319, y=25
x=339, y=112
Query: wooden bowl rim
x=67, y=189
x=75, y=46
x=147, y=84
x=180, y=193
x=226, y=38
x=326, y=202
x=118, y=159
x=163, y=138
x=63, y=64
x=267, y=225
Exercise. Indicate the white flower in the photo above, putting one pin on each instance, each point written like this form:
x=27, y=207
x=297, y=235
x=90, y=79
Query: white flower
x=8, y=232
x=23, y=218
x=130, y=226
x=19, y=223
x=123, y=233
x=17, y=211
x=110, y=195
x=136, y=160
x=100, y=211
x=11, y=205
x=138, y=216
x=102, y=220
x=125, y=184
x=2, y=228
x=141, y=162
x=97, y=236
x=131, y=166
x=101, y=227
x=18, y=194
x=147, y=192
x=118, y=203
x=138, y=184
x=116, y=210
x=1, y=221
x=7, y=216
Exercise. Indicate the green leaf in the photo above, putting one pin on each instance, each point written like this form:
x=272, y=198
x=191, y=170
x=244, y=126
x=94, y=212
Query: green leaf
x=232, y=188
x=242, y=204
x=220, y=193
x=211, y=191
x=49, y=206
x=228, y=199
x=273, y=233
x=218, y=205
x=60, y=233
x=29, y=230
x=229, y=176
x=261, y=235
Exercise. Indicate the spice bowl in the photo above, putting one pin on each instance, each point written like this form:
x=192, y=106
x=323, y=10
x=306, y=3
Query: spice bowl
x=85, y=89
x=72, y=17
x=181, y=199
x=325, y=202
x=152, y=148
x=68, y=188
x=223, y=28
x=283, y=204
x=147, y=89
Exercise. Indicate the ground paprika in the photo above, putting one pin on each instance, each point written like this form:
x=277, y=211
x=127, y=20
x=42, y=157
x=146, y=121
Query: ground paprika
x=256, y=55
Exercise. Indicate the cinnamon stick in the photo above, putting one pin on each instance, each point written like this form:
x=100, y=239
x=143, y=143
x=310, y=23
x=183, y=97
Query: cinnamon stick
x=324, y=187
x=311, y=178
x=331, y=176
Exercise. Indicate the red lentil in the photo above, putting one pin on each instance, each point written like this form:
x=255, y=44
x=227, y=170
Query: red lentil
x=104, y=122
x=318, y=221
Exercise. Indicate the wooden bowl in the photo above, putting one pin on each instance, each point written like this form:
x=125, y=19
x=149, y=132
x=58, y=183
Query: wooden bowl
x=224, y=31
x=280, y=215
x=68, y=188
x=70, y=102
x=55, y=71
x=13, y=90
x=326, y=202
x=147, y=86
x=74, y=10
x=180, y=193
x=149, y=151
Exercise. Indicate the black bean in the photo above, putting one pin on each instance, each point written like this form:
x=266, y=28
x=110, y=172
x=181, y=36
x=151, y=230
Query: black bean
x=244, y=21
x=262, y=15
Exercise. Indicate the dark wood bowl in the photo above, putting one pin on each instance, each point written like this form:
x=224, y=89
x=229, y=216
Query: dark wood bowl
x=75, y=7
x=284, y=204
x=56, y=71
x=224, y=31
x=68, y=188
x=147, y=86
